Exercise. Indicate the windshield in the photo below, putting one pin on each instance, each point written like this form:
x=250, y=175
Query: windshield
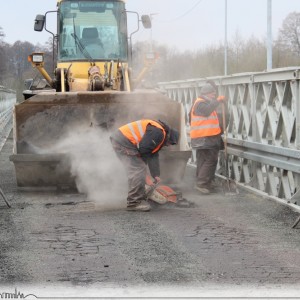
x=92, y=30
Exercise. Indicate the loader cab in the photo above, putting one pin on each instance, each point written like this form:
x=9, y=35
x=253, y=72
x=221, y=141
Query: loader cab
x=92, y=30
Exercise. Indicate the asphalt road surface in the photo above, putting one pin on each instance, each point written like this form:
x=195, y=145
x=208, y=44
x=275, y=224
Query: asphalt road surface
x=60, y=244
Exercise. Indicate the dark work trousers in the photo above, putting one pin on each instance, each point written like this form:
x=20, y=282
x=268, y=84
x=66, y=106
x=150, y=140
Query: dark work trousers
x=207, y=161
x=136, y=172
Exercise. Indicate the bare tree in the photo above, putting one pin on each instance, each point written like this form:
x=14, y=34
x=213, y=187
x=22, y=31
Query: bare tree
x=3, y=58
x=253, y=56
x=1, y=33
x=18, y=58
x=235, y=51
x=289, y=34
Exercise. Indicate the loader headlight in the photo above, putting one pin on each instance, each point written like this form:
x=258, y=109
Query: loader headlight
x=37, y=57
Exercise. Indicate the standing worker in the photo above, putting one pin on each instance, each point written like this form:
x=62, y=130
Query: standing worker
x=137, y=145
x=206, y=131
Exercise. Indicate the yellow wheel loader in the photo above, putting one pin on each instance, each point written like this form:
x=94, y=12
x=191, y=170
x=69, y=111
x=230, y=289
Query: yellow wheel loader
x=92, y=86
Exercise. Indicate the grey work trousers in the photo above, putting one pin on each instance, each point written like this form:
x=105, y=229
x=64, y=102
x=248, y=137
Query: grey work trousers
x=207, y=161
x=136, y=172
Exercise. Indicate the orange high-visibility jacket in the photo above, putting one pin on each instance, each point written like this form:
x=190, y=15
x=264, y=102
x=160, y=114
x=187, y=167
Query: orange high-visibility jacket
x=204, y=126
x=135, y=131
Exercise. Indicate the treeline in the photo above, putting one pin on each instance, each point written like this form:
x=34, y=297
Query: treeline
x=14, y=65
x=248, y=55
x=242, y=56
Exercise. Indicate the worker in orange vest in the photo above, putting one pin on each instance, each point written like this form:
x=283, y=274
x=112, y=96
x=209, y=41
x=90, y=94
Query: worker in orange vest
x=206, y=130
x=137, y=145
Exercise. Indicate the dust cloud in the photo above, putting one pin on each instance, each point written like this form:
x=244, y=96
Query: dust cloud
x=98, y=172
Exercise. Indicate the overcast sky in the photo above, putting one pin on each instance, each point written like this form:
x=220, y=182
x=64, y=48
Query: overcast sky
x=185, y=24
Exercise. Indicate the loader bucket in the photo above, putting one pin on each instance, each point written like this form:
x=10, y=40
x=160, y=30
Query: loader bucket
x=46, y=118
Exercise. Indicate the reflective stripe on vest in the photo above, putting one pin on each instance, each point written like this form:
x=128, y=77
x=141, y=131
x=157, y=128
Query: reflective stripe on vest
x=135, y=131
x=204, y=126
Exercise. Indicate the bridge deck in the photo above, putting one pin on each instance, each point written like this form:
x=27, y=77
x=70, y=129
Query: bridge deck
x=237, y=244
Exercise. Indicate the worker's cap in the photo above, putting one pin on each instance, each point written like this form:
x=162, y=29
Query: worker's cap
x=207, y=89
x=173, y=136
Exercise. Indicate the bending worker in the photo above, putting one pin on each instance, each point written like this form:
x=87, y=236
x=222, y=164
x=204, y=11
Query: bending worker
x=137, y=145
x=206, y=130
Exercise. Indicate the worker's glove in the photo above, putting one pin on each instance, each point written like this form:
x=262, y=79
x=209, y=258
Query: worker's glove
x=157, y=180
x=222, y=99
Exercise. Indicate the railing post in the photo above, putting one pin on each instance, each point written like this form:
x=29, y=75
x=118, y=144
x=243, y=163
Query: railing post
x=297, y=95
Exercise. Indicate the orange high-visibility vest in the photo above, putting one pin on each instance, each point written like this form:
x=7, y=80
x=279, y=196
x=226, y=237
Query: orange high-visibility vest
x=204, y=126
x=135, y=131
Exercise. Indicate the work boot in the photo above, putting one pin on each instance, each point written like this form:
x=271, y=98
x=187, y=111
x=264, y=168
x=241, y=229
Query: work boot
x=202, y=190
x=142, y=206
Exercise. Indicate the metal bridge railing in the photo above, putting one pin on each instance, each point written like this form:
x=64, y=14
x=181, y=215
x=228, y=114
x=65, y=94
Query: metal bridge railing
x=7, y=102
x=263, y=133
